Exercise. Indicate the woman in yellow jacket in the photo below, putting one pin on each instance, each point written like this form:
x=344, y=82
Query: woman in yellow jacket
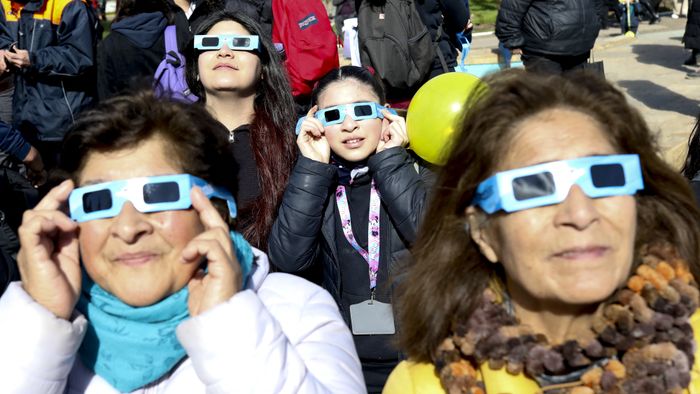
x=560, y=254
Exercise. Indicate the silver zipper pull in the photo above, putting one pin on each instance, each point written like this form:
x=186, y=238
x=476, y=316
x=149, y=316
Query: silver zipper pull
x=231, y=137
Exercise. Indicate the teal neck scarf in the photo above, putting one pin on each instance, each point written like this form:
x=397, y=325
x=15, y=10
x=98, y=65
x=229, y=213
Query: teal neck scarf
x=131, y=347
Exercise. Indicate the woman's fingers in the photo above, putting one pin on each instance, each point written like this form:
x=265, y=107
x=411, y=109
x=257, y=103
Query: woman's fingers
x=209, y=216
x=312, y=111
x=214, y=245
x=311, y=125
x=312, y=128
x=215, y=227
x=48, y=259
x=223, y=277
x=56, y=197
x=396, y=130
x=387, y=114
x=38, y=224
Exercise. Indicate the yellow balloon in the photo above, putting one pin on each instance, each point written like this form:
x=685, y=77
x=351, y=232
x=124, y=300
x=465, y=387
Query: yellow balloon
x=434, y=111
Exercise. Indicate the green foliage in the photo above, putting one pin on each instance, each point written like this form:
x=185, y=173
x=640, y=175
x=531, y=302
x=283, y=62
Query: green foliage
x=484, y=11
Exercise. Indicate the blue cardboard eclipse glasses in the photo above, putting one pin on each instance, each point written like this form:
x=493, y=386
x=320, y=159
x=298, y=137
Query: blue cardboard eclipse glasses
x=358, y=111
x=235, y=42
x=147, y=194
x=549, y=183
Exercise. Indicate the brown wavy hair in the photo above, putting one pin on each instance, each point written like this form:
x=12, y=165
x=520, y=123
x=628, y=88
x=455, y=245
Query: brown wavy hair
x=272, y=131
x=449, y=274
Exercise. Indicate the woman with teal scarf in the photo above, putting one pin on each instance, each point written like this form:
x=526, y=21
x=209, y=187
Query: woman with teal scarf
x=132, y=280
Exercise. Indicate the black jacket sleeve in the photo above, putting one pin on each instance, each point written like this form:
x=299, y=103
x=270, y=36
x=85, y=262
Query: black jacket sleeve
x=106, y=84
x=455, y=14
x=509, y=22
x=6, y=39
x=403, y=189
x=74, y=52
x=294, y=238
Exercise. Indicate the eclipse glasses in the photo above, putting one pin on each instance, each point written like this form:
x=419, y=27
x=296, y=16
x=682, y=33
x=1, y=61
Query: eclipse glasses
x=234, y=42
x=549, y=183
x=147, y=194
x=358, y=111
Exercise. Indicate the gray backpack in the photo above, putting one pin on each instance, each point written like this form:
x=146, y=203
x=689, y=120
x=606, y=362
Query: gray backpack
x=394, y=41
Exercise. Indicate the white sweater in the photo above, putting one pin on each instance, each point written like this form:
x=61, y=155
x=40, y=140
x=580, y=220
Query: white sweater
x=282, y=334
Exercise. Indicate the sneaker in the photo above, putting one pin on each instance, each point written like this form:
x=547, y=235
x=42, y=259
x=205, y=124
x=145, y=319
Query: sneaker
x=692, y=75
x=674, y=16
x=655, y=19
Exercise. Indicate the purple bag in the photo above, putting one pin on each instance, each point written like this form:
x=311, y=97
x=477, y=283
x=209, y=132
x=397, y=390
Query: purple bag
x=170, y=74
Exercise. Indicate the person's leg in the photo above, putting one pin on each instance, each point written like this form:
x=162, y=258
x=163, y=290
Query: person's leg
x=634, y=16
x=650, y=11
x=603, y=14
x=680, y=8
x=541, y=64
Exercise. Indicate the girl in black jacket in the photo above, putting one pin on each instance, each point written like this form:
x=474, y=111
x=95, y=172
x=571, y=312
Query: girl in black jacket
x=351, y=208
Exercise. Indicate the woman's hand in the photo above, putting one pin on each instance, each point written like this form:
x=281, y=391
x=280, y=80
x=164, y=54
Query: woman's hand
x=393, y=132
x=312, y=140
x=35, y=167
x=49, y=257
x=223, y=277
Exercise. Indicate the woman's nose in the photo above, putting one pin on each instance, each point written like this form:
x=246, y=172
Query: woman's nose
x=577, y=210
x=349, y=123
x=130, y=224
x=225, y=51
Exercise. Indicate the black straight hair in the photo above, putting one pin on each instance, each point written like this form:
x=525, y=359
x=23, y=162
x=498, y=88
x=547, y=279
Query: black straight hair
x=359, y=74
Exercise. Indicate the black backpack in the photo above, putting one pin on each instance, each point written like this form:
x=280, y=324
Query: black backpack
x=395, y=42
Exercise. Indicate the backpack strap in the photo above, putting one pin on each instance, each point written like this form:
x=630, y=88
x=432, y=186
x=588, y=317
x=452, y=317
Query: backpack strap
x=439, y=51
x=170, y=39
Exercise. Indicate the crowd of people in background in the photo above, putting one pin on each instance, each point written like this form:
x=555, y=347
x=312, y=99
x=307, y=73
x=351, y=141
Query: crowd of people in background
x=177, y=216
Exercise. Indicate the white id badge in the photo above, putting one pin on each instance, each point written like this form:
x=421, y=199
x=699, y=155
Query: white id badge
x=372, y=317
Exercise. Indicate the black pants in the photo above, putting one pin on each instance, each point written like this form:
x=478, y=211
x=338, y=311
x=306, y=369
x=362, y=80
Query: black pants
x=376, y=373
x=554, y=64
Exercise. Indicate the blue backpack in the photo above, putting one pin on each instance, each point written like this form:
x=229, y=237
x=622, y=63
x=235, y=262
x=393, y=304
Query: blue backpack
x=170, y=74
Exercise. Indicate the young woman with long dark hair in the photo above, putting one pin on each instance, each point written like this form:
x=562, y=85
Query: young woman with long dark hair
x=237, y=74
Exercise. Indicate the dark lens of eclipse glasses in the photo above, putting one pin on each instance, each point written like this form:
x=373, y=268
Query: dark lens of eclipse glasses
x=239, y=42
x=533, y=186
x=99, y=200
x=363, y=110
x=210, y=41
x=608, y=175
x=154, y=193
x=332, y=115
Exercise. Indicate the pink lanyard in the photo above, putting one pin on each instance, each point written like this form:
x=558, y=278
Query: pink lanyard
x=371, y=256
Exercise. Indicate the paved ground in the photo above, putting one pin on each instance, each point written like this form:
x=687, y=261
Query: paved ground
x=649, y=69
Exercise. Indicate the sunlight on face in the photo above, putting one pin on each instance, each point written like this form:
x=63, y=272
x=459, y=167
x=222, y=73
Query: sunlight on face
x=576, y=252
x=352, y=140
x=136, y=256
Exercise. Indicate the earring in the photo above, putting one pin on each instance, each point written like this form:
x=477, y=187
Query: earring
x=197, y=77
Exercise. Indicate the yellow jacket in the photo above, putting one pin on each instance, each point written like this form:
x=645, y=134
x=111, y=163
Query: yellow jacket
x=420, y=378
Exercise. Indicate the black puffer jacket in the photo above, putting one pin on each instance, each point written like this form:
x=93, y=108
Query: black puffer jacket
x=691, y=38
x=304, y=234
x=549, y=27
